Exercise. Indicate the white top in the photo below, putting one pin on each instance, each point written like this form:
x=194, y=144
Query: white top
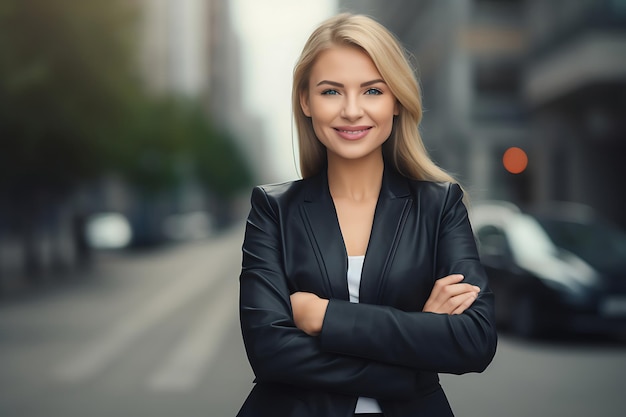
x=355, y=267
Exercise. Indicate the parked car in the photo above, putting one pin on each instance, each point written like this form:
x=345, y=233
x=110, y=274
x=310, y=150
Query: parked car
x=558, y=267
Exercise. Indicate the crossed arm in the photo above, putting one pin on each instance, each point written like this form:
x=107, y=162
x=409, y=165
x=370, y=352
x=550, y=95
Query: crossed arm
x=449, y=296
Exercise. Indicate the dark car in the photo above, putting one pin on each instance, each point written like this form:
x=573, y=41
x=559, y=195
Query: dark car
x=560, y=267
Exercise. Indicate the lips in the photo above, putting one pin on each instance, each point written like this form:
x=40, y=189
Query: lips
x=352, y=132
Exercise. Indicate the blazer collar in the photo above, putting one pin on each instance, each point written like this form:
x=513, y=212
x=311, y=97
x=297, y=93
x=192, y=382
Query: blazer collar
x=319, y=215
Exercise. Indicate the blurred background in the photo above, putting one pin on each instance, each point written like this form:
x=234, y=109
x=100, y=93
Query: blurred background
x=131, y=133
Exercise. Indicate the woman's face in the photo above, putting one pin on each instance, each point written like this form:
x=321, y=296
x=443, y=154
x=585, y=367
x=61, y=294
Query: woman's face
x=350, y=105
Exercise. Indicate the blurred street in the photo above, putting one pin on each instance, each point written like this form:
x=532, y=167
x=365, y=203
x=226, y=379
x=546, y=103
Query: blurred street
x=156, y=333
x=557, y=378
x=146, y=334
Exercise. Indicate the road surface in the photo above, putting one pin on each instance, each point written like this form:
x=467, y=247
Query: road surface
x=156, y=334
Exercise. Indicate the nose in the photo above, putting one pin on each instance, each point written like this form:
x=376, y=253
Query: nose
x=352, y=109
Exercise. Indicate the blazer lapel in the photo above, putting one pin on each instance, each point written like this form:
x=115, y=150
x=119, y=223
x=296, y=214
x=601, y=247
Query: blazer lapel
x=390, y=216
x=320, y=218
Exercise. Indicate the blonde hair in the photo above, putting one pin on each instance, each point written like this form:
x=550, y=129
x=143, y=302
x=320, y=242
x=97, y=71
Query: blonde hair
x=404, y=149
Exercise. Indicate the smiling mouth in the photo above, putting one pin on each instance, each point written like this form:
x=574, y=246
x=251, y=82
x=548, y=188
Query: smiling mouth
x=352, y=131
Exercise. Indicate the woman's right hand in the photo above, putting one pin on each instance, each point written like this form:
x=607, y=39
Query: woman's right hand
x=451, y=296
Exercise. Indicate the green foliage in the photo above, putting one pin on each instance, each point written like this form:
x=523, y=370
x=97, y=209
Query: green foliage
x=64, y=77
x=218, y=162
x=71, y=106
x=149, y=144
x=169, y=139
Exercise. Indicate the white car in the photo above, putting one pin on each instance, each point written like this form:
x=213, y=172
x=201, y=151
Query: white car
x=558, y=267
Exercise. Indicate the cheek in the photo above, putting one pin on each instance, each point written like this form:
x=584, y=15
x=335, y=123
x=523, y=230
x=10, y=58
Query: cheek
x=385, y=115
x=322, y=110
x=318, y=128
x=391, y=109
x=380, y=108
x=322, y=116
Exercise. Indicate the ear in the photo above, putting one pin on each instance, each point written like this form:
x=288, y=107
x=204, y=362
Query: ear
x=304, y=103
x=396, y=108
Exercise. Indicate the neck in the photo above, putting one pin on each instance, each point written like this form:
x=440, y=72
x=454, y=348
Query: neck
x=355, y=179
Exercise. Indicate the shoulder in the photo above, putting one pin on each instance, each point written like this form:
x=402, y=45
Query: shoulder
x=437, y=193
x=278, y=194
x=279, y=190
x=437, y=200
x=421, y=191
x=438, y=203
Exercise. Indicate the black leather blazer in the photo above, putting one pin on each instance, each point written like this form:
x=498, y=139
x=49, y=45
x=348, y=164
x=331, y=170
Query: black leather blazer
x=384, y=347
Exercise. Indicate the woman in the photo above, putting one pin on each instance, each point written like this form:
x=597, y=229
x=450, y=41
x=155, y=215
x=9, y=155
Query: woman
x=361, y=281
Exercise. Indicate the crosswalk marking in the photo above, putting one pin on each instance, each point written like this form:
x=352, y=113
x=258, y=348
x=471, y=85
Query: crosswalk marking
x=101, y=351
x=197, y=350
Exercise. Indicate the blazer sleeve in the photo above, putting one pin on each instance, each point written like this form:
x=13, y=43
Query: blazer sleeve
x=277, y=350
x=424, y=341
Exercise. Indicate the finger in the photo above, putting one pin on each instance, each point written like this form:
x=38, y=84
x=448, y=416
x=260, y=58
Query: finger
x=458, y=300
x=442, y=283
x=441, y=295
x=465, y=301
x=450, y=279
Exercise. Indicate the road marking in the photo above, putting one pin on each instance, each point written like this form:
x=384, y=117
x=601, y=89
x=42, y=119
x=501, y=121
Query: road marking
x=101, y=351
x=199, y=348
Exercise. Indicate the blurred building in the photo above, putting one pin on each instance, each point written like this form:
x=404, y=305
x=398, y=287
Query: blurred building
x=575, y=87
x=547, y=76
x=174, y=46
x=185, y=48
x=189, y=48
x=468, y=55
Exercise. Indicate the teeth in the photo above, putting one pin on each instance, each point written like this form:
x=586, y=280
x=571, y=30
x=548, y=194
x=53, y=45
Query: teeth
x=354, y=132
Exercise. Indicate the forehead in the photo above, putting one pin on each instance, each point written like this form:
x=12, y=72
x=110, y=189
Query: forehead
x=344, y=64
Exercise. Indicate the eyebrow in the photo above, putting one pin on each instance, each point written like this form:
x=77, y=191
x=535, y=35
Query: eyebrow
x=336, y=84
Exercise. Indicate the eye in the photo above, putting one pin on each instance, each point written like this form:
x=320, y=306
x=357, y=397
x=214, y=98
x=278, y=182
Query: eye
x=330, y=92
x=373, y=91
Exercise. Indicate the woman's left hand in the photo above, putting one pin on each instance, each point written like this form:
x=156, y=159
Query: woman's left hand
x=308, y=312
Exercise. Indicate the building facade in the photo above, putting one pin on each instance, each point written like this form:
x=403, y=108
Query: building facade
x=186, y=49
x=190, y=48
x=575, y=89
x=547, y=76
x=468, y=58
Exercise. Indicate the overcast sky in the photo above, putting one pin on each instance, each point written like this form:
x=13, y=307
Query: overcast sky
x=273, y=33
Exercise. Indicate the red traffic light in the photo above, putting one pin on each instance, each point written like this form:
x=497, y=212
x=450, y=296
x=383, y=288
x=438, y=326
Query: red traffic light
x=515, y=160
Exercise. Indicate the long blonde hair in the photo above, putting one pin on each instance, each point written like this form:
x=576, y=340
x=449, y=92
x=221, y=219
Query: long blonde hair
x=404, y=149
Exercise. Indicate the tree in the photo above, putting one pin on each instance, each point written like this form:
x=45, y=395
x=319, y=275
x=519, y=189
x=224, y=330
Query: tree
x=66, y=79
x=219, y=163
x=72, y=108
